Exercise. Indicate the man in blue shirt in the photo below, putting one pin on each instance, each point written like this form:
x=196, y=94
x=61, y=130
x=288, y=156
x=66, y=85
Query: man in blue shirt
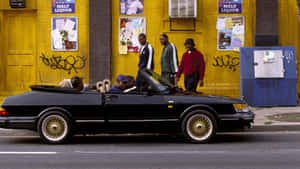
x=121, y=84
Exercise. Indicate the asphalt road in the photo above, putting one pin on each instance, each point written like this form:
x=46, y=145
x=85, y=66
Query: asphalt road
x=252, y=150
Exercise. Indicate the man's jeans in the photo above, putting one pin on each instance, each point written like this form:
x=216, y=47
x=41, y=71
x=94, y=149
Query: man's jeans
x=139, y=81
x=191, y=81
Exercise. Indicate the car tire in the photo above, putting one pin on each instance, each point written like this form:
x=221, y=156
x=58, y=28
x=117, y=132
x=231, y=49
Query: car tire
x=54, y=128
x=199, y=126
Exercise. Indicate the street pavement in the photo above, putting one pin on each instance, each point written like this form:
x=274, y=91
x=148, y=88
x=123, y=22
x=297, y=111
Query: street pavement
x=244, y=150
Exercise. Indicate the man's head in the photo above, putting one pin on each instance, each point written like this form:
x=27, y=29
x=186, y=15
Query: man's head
x=131, y=82
x=164, y=39
x=122, y=82
x=142, y=39
x=189, y=44
x=77, y=83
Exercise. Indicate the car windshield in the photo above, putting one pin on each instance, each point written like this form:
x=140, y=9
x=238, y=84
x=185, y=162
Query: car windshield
x=158, y=82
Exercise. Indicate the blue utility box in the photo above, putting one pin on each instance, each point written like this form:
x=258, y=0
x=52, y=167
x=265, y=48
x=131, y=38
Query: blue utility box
x=268, y=76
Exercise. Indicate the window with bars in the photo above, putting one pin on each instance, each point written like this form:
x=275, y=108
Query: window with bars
x=17, y=3
x=183, y=8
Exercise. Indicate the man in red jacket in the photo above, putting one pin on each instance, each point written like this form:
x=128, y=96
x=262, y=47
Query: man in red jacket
x=192, y=66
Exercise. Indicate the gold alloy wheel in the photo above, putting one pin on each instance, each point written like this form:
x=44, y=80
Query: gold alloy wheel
x=54, y=128
x=199, y=127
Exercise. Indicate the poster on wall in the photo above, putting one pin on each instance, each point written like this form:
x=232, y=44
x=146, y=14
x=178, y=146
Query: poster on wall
x=130, y=28
x=63, y=6
x=64, y=34
x=230, y=6
x=231, y=33
x=131, y=7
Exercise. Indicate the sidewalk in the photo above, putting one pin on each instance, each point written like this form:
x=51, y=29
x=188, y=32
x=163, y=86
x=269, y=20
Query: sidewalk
x=276, y=119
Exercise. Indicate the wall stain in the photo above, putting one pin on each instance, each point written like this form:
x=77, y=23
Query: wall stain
x=67, y=64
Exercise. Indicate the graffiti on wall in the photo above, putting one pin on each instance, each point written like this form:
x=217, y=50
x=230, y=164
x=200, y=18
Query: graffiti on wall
x=289, y=55
x=227, y=61
x=68, y=64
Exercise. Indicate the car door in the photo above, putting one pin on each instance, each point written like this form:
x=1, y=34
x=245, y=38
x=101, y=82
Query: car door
x=137, y=112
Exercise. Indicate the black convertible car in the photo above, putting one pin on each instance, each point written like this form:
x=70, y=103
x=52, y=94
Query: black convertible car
x=59, y=113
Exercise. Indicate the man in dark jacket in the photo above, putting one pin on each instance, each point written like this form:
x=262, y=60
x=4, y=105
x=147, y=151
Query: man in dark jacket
x=146, y=59
x=192, y=66
x=169, y=59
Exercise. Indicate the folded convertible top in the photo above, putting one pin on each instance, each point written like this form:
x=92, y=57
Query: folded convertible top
x=48, y=88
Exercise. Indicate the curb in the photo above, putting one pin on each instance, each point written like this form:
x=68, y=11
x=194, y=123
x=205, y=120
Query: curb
x=262, y=128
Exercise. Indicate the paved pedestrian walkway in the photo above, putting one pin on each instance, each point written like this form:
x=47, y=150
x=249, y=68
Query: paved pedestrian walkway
x=276, y=119
x=277, y=116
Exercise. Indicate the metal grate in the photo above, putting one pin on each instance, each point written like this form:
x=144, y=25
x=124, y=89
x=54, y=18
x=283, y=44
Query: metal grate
x=183, y=8
x=17, y=3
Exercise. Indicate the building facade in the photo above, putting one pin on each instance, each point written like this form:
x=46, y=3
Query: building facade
x=27, y=56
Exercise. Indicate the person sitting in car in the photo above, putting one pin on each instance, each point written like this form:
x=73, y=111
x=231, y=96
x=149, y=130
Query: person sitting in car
x=131, y=82
x=130, y=85
x=77, y=83
x=66, y=83
x=121, y=84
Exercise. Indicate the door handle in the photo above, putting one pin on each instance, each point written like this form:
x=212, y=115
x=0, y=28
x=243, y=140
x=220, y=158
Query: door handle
x=112, y=97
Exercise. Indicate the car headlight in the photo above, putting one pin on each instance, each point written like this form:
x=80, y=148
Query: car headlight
x=241, y=108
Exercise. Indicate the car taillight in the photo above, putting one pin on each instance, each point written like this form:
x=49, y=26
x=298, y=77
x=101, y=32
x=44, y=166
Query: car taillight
x=3, y=112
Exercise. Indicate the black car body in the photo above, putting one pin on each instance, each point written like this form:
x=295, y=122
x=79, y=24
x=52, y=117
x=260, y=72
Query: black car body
x=162, y=109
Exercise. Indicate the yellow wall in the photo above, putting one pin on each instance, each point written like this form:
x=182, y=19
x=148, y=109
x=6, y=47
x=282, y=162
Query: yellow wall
x=289, y=28
x=25, y=35
x=221, y=81
x=218, y=80
x=1, y=45
x=44, y=73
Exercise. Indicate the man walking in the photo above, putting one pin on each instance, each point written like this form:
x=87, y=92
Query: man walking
x=146, y=59
x=192, y=66
x=169, y=59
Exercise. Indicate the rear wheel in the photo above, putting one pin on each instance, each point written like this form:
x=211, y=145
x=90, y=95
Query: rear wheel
x=199, y=126
x=54, y=128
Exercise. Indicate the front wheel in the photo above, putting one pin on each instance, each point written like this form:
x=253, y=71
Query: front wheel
x=54, y=128
x=199, y=126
